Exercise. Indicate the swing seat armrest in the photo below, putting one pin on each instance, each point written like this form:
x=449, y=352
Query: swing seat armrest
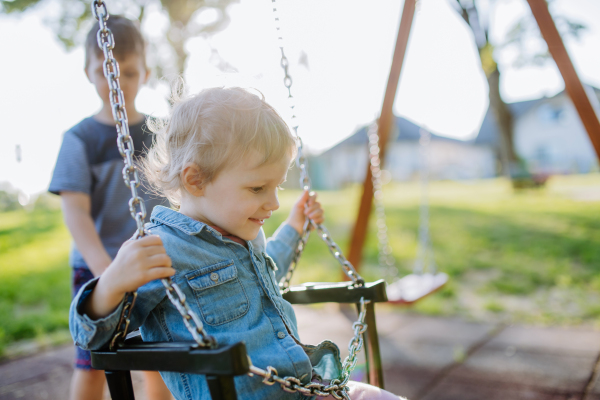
x=182, y=357
x=339, y=292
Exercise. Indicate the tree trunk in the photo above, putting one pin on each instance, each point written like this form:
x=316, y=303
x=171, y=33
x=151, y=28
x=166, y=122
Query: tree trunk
x=504, y=122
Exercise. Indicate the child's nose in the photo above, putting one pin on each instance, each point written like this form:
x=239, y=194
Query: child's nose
x=273, y=203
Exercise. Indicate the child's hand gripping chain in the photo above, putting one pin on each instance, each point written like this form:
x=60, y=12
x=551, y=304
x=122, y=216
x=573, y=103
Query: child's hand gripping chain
x=137, y=263
x=306, y=206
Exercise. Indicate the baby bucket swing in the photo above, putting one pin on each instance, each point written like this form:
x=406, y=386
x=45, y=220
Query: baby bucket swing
x=218, y=362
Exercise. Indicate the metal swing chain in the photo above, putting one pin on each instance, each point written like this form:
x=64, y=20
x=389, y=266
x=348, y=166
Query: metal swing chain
x=337, y=387
x=386, y=260
x=137, y=207
x=305, y=183
x=425, y=258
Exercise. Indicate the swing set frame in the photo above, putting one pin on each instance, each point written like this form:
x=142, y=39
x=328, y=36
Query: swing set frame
x=220, y=364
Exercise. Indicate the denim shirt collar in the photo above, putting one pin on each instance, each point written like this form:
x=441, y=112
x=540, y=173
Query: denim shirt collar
x=189, y=226
x=166, y=216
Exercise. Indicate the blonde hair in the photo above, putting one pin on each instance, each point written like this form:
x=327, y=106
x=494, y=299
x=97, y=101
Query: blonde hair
x=213, y=129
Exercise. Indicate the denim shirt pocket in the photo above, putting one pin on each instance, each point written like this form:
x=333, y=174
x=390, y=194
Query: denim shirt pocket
x=220, y=294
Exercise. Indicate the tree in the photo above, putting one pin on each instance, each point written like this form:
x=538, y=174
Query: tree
x=185, y=17
x=522, y=32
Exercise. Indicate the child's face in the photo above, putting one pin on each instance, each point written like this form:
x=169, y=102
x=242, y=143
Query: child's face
x=133, y=76
x=240, y=198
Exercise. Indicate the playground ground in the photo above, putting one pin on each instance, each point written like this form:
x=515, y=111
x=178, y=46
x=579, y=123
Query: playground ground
x=425, y=358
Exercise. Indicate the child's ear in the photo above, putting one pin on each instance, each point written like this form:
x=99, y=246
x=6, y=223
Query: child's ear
x=191, y=176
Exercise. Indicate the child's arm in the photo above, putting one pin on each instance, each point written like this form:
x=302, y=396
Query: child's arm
x=282, y=246
x=76, y=208
x=137, y=263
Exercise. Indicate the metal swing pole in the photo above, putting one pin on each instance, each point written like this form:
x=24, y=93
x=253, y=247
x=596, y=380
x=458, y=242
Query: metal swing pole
x=386, y=121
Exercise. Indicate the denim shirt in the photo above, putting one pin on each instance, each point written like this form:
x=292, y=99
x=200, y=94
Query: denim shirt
x=234, y=291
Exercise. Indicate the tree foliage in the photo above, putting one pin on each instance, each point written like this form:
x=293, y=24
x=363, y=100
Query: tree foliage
x=187, y=19
x=532, y=49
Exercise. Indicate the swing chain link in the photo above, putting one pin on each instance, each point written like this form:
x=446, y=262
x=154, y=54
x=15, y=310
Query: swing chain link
x=305, y=183
x=137, y=207
x=337, y=388
x=124, y=320
x=425, y=261
x=386, y=260
x=284, y=284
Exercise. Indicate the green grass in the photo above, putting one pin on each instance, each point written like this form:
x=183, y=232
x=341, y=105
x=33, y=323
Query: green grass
x=531, y=256
x=34, y=275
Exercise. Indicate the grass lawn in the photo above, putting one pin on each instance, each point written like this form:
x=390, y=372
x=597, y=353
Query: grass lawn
x=531, y=256
x=34, y=275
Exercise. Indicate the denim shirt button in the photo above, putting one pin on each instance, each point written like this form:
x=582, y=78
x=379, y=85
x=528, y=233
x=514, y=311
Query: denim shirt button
x=214, y=277
x=280, y=335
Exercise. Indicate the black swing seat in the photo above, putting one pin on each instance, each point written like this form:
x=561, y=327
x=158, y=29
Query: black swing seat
x=220, y=365
x=184, y=357
x=336, y=292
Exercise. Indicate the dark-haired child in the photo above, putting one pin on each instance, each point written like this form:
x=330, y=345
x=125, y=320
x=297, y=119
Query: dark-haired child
x=88, y=178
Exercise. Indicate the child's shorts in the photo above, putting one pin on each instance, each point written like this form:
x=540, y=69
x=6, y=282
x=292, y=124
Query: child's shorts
x=81, y=275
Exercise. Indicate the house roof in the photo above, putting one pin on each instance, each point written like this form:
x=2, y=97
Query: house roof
x=488, y=133
x=405, y=131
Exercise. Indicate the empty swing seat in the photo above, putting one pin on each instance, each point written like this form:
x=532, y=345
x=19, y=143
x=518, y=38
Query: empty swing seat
x=414, y=287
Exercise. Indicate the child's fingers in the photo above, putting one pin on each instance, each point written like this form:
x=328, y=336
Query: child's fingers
x=152, y=250
x=159, y=260
x=317, y=216
x=303, y=199
x=150, y=240
x=312, y=197
x=159, y=273
x=312, y=208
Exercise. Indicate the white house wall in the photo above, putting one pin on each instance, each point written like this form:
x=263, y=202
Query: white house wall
x=447, y=160
x=552, y=139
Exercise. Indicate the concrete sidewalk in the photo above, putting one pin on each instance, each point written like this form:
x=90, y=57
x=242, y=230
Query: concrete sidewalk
x=424, y=358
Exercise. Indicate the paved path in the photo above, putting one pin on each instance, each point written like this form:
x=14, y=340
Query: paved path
x=425, y=358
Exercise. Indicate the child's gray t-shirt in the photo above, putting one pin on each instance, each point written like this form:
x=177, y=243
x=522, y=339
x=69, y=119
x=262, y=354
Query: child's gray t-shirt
x=89, y=162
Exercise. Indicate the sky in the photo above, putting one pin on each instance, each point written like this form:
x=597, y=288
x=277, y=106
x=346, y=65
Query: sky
x=340, y=53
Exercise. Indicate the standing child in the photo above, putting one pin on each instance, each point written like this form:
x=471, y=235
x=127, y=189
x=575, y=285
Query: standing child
x=89, y=180
x=219, y=160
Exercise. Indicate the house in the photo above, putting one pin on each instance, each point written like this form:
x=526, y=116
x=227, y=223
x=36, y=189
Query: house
x=448, y=158
x=548, y=135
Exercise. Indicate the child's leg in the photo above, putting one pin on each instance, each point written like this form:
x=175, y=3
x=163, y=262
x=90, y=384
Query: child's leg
x=87, y=384
x=155, y=386
x=364, y=391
